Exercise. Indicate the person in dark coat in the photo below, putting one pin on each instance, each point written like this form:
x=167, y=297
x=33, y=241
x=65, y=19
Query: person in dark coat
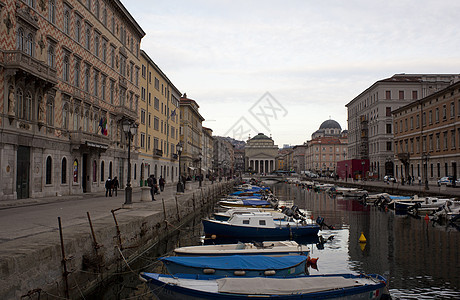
x=151, y=184
x=115, y=186
x=108, y=187
x=162, y=182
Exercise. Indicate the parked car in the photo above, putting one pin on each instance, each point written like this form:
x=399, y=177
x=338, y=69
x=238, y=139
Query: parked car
x=389, y=178
x=447, y=180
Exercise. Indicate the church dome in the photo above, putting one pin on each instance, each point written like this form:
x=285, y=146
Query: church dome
x=261, y=136
x=330, y=124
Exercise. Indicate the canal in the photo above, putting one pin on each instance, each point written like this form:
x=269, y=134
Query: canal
x=420, y=261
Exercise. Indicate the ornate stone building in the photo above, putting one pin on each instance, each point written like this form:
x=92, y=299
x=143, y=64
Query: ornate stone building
x=260, y=154
x=69, y=77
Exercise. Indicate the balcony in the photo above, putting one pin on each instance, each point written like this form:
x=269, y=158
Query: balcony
x=124, y=112
x=91, y=140
x=19, y=61
x=174, y=156
x=123, y=82
x=157, y=153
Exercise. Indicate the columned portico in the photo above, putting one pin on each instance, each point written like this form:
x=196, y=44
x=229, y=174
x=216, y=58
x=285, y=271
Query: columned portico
x=262, y=165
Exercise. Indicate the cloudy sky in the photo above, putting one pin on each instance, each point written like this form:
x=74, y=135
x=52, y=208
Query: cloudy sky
x=282, y=67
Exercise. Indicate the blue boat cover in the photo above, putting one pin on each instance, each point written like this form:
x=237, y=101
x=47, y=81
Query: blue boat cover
x=400, y=197
x=238, y=262
x=255, y=202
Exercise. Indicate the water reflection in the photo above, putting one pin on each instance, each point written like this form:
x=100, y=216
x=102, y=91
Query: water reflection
x=416, y=257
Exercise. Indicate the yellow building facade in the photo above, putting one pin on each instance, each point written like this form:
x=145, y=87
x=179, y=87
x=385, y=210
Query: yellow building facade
x=159, y=123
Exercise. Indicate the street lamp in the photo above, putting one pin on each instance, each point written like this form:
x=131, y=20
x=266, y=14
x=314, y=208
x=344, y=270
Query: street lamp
x=129, y=128
x=200, y=157
x=425, y=157
x=180, y=184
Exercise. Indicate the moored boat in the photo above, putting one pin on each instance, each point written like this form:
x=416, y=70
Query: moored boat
x=272, y=248
x=225, y=215
x=237, y=265
x=333, y=286
x=259, y=225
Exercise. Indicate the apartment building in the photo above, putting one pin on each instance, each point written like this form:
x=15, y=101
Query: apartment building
x=207, y=146
x=427, y=136
x=370, y=121
x=159, y=122
x=190, y=136
x=69, y=79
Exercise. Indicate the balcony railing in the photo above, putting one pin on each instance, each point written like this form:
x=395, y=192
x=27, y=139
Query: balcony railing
x=20, y=60
x=157, y=152
x=123, y=111
x=80, y=137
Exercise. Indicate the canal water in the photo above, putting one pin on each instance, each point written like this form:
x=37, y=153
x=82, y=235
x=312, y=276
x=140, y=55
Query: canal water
x=420, y=261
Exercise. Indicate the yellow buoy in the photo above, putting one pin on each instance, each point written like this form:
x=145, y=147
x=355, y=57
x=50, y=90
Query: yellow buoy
x=362, y=246
x=362, y=238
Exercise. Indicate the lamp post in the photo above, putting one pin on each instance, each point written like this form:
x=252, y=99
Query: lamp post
x=180, y=184
x=346, y=172
x=129, y=129
x=200, y=158
x=425, y=159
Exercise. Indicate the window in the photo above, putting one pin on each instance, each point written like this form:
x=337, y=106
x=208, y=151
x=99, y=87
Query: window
x=64, y=170
x=387, y=95
x=411, y=123
x=424, y=118
x=65, y=117
x=438, y=142
x=51, y=56
x=97, y=8
x=142, y=140
x=405, y=125
x=136, y=77
x=104, y=16
x=86, y=122
x=88, y=37
x=77, y=73
x=143, y=71
x=142, y=116
x=96, y=45
x=103, y=86
x=452, y=109
x=78, y=29
x=104, y=50
x=436, y=115
x=430, y=142
x=88, y=4
x=96, y=83
x=430, y=117
x=401, y=95
x=30, y=45
x=112, y=91
x=50, y=111
x=444, y=112
x=52, y=12
x=48, y=170
x=156, y=104
x=417, y=121
x=414, y=95
x=66, y=67
x=246, y=222
x=76, y=120
x=94, y=171
x=157, y=83
x=388, y=128
x=142, y=93
x=87, y=74
x=156, y=123
x=262, y=222
x=20, y=39
x=149, y=121
x=112, y=56
x=113, y=23
x=452, y=139
x=67, y=21
x=388, y=111
x=388, y=146
x=444, y=135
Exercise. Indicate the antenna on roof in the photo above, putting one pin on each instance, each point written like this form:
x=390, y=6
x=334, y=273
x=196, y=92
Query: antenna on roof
x=329, y=117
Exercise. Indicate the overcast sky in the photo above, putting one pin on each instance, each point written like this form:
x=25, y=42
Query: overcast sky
x=283, y=67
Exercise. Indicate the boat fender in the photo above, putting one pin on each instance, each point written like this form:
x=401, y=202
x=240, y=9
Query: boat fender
x=209, y=271
x=269, y=272
x=239, y=273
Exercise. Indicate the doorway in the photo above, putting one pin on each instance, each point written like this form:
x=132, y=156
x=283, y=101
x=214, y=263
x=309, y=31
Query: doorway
x=84, y=173
x=22, y=175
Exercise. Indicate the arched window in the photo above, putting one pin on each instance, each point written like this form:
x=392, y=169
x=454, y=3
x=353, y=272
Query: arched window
x=66, y=68
x=96, y=123
x=87, y=79
x=88, y=38
x=30, y=45
x=52, y=12
x=94, y=171
x=104, y=16
x=67, y=21
x=102, y=171
x=76, y=119
x=86, y=122
x=48, y=170
x=28, y=106
x=20, y=39
x=96, y=46
x=75, y=170
x=50, y=111
x=65, y=117
x=51, y=57
x=64, y=170
x=104, y=51
x=142, y=171
x=97, y=8
x=78, y=31
x=20, y=104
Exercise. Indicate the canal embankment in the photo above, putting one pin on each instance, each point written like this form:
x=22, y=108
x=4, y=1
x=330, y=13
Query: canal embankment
x=71, y=259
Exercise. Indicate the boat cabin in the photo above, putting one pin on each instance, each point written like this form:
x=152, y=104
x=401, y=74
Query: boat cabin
x=253, y=219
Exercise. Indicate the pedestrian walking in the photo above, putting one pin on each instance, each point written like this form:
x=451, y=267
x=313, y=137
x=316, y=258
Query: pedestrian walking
x=115, y=185
x=151, y=185
x=162, y=183
x=108, y=187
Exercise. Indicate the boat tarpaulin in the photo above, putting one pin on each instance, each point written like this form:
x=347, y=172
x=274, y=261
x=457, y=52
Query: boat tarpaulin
x=255, y=202
x=283, y=286
x=238, y=262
